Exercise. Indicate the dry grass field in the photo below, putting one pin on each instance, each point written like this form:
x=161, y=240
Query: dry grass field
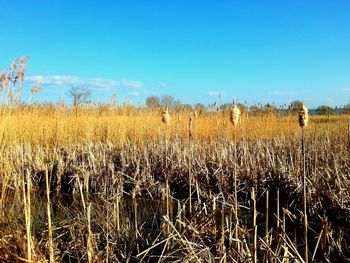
x=109, y=184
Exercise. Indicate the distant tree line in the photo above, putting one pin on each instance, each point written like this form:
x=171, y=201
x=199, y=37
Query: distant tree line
x=167, y=101
x=81, y=96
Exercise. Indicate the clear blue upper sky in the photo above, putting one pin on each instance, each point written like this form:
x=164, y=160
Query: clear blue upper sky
x=255, y=51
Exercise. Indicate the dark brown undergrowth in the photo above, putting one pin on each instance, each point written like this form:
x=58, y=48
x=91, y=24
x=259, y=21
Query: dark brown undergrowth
x=135, y=216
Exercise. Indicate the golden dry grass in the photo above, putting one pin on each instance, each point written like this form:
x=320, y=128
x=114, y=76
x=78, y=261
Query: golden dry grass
x=48, y=126
x=121, y=164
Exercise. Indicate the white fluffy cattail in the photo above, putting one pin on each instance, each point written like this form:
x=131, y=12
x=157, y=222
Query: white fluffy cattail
x=303, y=116
x=234, y=115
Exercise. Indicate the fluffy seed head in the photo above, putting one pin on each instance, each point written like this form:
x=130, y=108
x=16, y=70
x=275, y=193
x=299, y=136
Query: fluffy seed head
x=2, y=76
x=20, y=75
x=23, y=60
x=234, y=115
x=195, y=114
x=13, y=66
x=36, y=88
x=2, y=80
x=166, y=117
x=303, y=116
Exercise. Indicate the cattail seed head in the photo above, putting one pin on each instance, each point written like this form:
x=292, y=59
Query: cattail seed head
x=234, y=115
x=166, y=117
x=303, y=116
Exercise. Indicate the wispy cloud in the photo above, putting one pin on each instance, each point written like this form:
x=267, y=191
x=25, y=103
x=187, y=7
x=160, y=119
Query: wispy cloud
x=215, y=94
x=346, y=89
x=93, y=83
x=135, y=94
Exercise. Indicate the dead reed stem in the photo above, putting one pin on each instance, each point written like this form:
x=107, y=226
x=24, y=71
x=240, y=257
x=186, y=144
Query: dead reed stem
x=107, y=222
x=89, y=239
x=117, y=210
x=190, y=146
x=235, y=187
x=278, y=209
x=167, y=190
x=267, y=217
x=27, y=213
x=267, y=223
x=349, y=135
x=304, y=198
x=222, y=228
x=135, y=216
x=255, y=228
x=51, y=251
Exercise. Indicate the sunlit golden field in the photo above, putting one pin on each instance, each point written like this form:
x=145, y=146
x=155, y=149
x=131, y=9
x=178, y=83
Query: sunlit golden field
x=109, y=184
x=49, y=126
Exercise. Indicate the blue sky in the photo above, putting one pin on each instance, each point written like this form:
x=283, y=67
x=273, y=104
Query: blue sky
x=254, y=51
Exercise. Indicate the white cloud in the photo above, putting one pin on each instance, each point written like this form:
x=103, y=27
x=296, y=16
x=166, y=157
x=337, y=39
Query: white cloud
x=131, y=83
x=135, y=94
x=346, y=89
x=214, y=93
x=94, y=83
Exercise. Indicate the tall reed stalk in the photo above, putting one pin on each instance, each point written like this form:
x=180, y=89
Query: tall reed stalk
x=51, y=250
x=255, y=228
x=190, y=135
x=89, y=238
x=349, y=135
x=234, y=119
x=166, y=121
x=303, y=121
x=27, y=213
